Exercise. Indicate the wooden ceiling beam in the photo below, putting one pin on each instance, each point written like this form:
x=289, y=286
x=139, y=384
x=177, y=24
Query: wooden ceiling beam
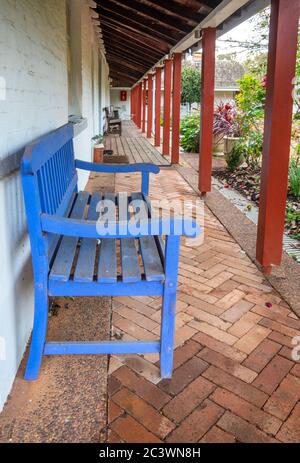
x=117, y=6
x=152, y=33
x=206, y=6
x=129, y=33
x=125, y=67
x=112, y=57
x=129, y=48
x=180, y=10
x=134, y=58
x=110, y=33
x=119, y=73
x=154, y=13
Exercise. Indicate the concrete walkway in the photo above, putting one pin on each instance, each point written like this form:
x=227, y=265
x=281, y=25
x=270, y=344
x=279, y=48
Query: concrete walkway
x=234, y=378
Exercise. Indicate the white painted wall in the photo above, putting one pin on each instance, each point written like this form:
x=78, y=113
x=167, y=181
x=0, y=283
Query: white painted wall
x=104, y=91
x=34, y=66
x=124, y=106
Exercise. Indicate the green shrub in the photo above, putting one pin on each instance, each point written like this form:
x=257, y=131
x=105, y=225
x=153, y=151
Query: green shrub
x=236, y=156
x=250, y=103
x=294, y=177
x=254, y=147
x=190, y=132
x=162, y=121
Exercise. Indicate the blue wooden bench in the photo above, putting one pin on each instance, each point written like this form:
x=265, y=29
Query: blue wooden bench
x=70, y=258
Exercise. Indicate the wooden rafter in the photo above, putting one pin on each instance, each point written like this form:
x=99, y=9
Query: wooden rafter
x=110, y=32
x=117, y=6
x=179, y=10
x=136, y=25
x=138, y=33
x=128, y=48
x=111, y=49
x=147, y=39
x=146, y=11
x=127, y=64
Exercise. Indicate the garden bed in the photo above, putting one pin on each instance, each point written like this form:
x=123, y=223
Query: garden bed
x=247, y=181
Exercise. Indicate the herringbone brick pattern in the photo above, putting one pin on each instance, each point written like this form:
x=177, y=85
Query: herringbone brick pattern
x=234, y=379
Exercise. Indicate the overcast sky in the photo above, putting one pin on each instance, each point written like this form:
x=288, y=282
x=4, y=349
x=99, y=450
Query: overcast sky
x=245, y=32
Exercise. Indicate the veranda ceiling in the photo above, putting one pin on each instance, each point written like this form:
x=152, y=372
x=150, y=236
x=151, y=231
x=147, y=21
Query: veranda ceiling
x=138, y=33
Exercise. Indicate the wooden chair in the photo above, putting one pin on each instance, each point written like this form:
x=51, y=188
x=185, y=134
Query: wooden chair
x=113, y=124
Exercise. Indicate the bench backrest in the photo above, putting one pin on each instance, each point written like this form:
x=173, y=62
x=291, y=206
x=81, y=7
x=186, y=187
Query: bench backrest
x=49, y=180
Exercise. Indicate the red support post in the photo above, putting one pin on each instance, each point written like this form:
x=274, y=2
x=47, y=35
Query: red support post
x=207, y=108
x=144, y=105
x=157, y=106
x=167, y=106
x=176, y=107
x=150, y=106
x=139, y=105
x=131, y=103
x=277, y=132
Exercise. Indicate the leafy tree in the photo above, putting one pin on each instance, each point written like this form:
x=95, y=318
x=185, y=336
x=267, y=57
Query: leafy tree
x=256, y=65
x=250, y=103
x=190, y=85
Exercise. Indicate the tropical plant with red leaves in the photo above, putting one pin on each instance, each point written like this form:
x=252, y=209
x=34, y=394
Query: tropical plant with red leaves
x=226, y=120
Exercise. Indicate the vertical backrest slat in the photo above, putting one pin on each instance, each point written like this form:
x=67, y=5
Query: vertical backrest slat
x=49, y=161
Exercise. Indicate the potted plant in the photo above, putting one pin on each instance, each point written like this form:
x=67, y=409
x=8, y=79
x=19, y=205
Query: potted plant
x=227, y=125
x=98, y=148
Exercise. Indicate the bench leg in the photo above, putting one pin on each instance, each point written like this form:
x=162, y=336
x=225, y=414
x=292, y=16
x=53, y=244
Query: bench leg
x=169, y=306
x=167, y=332
x=38, y=335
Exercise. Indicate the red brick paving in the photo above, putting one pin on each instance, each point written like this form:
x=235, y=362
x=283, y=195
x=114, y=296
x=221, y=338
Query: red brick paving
x=234, y=379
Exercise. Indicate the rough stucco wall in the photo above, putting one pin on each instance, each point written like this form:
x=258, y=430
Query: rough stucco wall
x=89, y=91
x=104, y=92
x=34, y=65
x=32, y=48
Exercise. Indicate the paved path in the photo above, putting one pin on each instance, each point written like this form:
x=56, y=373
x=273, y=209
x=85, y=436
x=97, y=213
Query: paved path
x=234, y=378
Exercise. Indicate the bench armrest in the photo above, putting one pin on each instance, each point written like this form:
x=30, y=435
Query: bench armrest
x=123, y=229
x=145, y=170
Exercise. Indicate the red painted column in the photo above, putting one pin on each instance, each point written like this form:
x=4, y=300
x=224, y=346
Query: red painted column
x=131, y=103
x=139, y=105
x=277, y=133
x=157, y=106
x=167, y=106
x=150, y=106
x=176, y=107
x=207, y=108
x=144, y=105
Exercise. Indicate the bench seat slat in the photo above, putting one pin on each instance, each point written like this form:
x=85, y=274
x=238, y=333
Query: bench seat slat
x=151, y=259
x=107, y=266
x=63, y=261
x=131, y=272
x=87, y=254
x=151, y=255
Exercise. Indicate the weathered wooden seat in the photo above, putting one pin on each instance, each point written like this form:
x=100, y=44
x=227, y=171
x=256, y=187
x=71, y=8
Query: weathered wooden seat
x=91, y=260
x=74, y=255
